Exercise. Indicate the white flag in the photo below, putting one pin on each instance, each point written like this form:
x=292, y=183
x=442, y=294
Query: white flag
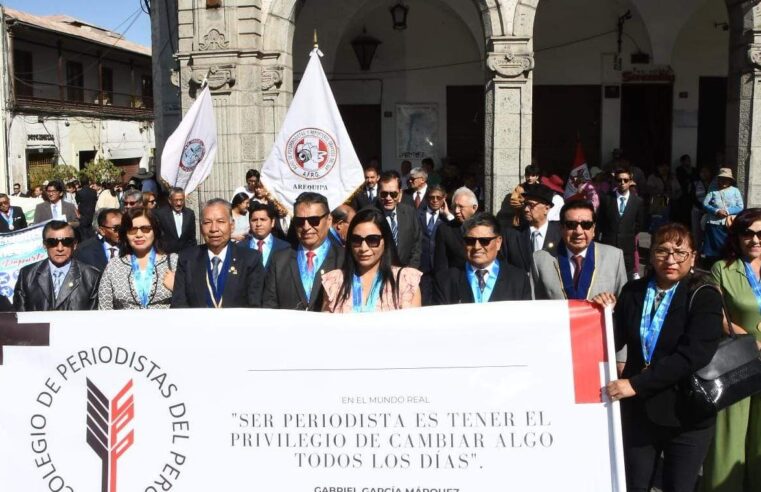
x=313, y=151
x=189, y=153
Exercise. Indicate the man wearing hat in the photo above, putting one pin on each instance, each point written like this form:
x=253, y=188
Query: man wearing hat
x=535, y=232
x=555, y=183
x=721, y=204
x=147, y=183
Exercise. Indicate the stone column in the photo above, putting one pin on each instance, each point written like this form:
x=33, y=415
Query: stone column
x=508, y=116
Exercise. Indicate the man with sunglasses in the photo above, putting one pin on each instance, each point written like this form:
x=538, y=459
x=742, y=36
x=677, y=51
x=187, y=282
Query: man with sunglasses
x=402, y=218
x=11, y=218
x=97, y=251
x=418, y=188
x=621, y=218
x=582, y=269
x=536, y=232
x=59, y=283
x=294, y=275
x=484, y=277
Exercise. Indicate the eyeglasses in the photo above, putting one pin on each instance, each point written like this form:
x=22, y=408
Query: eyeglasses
x=314, y=220
x=471, y=241
x=680, y=256
x=372, y=240
x=571, y=225
x=386, y=194
x=130, y=204
x=111, y=228
x=531, y=205
x=52, y=242
x=4, y=203
x=144, y=229
x=622, y=180
x=748, y=234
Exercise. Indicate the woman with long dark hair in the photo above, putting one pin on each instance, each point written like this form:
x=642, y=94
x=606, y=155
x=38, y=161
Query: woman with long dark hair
x=240, y=216
x=142, y=276
x=370, y=279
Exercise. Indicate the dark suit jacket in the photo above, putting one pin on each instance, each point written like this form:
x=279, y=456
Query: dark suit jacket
x=452, y=287
x=516, y=244
x=361, y=200
x=86, y=199
x=688, y=340
x=172, y=242
x=92, y=253
x=427, y=244
x=42, y=213
x=409, y=192
x=277, y=245
x=621, y=230
x=283, y=288
x=19, y=220
x=5, y=305
x=34, y=288
x=450, y=247
x=409, y=235
x=243, y=287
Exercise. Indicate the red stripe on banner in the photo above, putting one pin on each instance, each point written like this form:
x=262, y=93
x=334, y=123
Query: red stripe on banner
x=588, y=349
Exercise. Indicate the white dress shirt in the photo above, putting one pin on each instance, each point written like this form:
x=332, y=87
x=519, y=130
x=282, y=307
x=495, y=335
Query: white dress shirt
x=540, y=237
x=583, y=254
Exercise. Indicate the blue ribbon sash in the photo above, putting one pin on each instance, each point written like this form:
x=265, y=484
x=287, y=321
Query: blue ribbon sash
x=372, y=298
x=491, y=281
x=651, y=324
x=144, y=278
x=585, y=277
x=755, y=285
x=217, y=291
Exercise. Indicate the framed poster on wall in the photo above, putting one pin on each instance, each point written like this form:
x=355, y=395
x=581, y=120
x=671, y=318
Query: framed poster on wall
x=417, y=131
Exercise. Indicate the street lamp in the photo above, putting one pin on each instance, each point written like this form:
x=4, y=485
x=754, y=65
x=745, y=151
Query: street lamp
x=399, y=16
x=364, y=47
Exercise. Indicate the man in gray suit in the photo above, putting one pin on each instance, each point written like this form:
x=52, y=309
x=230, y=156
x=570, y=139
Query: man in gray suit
x=583, y=269
x=55, y=207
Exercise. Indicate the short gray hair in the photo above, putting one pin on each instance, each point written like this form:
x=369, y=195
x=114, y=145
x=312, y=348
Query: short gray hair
x=466, y=192
x=136, y=194
x=218, y=201
x=419, y=172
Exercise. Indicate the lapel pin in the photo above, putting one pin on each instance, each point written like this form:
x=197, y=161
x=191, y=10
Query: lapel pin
x=233, y=270
x=551, y=245
x=71, y=284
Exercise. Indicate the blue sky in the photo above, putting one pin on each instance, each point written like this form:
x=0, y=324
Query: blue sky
x=115, y=15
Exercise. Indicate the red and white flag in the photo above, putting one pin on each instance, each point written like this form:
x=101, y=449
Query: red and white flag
x=189, y=152
x=579, y=167
x=313, y=151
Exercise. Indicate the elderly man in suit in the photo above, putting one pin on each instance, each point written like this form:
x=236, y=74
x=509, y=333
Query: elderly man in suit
x=418, y=187
x=536, y=232
x=449, y=249
x=219, y=273
x=97, y=251
x=294, y=276
x=55, y=207
x=11, y=218
x=582, y=269
x=341, y=217
x=59, y=283
x=261, y=222
x=485, y=278
x=402, y=218
x=178, y=223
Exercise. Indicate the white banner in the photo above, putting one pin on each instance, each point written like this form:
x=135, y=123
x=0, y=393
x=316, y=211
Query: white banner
x=17, y=250
x=313, y=151
x=432, y=399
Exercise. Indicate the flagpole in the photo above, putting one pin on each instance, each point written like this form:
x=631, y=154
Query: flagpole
x=316, y=46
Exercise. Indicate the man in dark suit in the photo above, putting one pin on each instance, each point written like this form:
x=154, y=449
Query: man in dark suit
x=431, y=217
x=294, y=277
x=86, y=199
x=219, y=273
x=341, y=218
x=485, y=278
x=369, y=193
x=449, y=250
x=11, y=218
x=418, y=188
x=55, y=207
x=621, y=217
x=178, y=223
x=98, y=250
x=261, y=221
x=59, y=283
x=403, y=220
x=535, y=232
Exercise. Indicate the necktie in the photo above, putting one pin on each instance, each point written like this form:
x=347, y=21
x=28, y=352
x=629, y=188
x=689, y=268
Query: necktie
x=111, y=252
x=621, y=205
x=215, y=261
x=417, y=199
x=57, y=281
x=310, y=261
x=481, y=274
x=55, y=210
x=536, y=240
x=431, y=223
x=260, y=245
x=370, y=194
x=394, y=227
x=578, y=260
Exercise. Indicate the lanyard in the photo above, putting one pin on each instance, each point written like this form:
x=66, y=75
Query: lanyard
x=754, y=283
x=217, y=291
x=491, y=280
x=651, y=324
x=144, y=278
x=307, y=277
x=585, y=277
x=372, y=298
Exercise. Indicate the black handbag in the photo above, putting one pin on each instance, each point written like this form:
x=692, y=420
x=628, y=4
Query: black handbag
x=733, y=374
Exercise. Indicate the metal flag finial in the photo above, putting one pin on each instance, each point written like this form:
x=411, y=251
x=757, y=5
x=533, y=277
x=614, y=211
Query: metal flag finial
x=315, y=39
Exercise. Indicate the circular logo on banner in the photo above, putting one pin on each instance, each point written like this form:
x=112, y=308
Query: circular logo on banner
x=311, y=153
x=192, y=154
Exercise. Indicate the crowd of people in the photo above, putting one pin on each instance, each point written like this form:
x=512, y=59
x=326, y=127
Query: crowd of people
x=403, y=242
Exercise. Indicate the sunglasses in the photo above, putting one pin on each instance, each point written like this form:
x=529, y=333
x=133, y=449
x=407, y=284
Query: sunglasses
x=386, y=194
x=52, y=242
x=748, y=234
x=622, y=180
x=571, y=225
x=435, y=198
x=471, y=241
x=151, y=201
x=144, y=229
x=111, y=228
x=314, y=220
x=130, y=204
x=372, y=240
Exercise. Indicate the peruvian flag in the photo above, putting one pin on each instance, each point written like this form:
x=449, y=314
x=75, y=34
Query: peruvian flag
x=579, y=167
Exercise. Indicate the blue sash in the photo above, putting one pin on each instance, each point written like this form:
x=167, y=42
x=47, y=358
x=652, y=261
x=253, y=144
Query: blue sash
x=9, y=219
x=144, y=279
x=651, y=324
x=585, y=277
x=372, y=298
x=755, y=285
x=307, y=278
x=217, y=290
x=491, y=280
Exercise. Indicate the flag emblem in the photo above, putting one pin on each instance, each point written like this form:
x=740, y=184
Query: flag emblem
x=311, y=153
x=192, y=154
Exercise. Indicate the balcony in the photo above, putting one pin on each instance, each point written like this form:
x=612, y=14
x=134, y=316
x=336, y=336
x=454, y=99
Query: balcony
x=56, y=99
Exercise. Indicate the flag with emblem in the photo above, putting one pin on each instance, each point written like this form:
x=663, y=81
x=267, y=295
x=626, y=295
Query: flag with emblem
x=579, y=167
